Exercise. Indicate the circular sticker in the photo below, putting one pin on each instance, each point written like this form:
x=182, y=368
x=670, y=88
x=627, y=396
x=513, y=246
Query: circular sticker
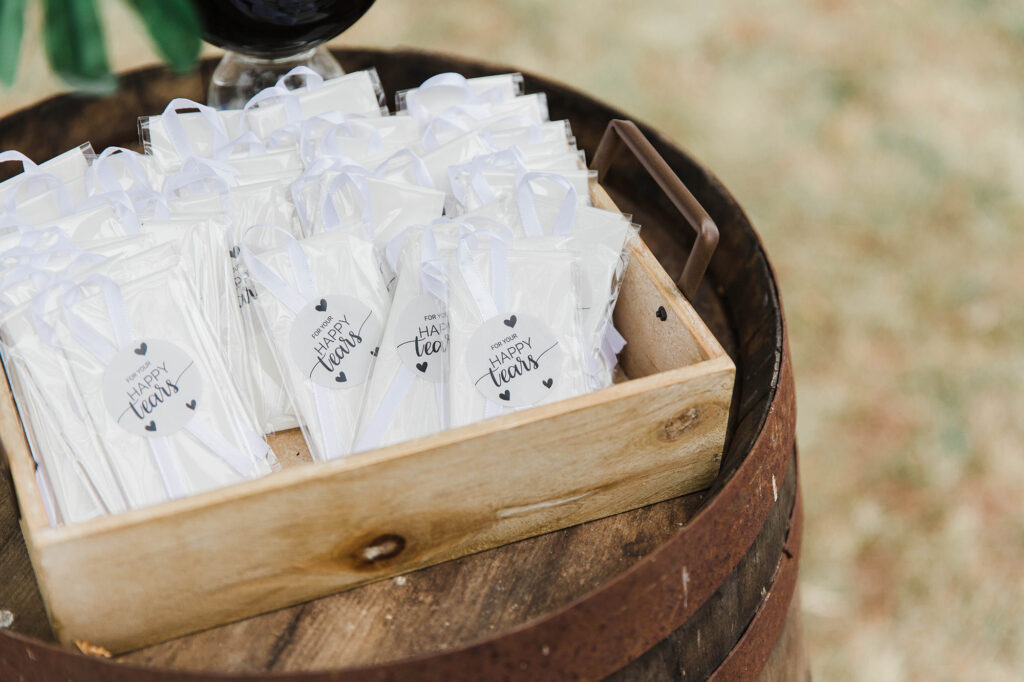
x=335, y=341
x=422, y=338
x=152, y=388
x=514, y=360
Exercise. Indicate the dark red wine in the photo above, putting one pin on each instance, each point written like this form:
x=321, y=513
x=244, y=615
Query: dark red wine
x=271, y=28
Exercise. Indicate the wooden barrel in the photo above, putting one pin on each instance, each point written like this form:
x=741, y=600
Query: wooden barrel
x=702, y=586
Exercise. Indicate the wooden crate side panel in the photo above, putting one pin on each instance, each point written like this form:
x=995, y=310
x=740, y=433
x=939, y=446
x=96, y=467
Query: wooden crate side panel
x=696, y=340
x=19, y=459
x=141, y=583
x=657, y=336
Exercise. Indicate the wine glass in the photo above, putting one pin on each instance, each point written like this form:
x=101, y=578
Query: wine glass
x=265, y=39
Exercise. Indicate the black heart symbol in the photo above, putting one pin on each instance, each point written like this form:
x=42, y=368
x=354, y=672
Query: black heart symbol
x=151, y=426
x=341, y=378
x=511, y=321
x=322, y=305
x=234, y=252
x=421, y=366
x=191, y=404
x=505, y=395
x=141, y=350
x=374, y=351
x=548, y=382
x=660, y=313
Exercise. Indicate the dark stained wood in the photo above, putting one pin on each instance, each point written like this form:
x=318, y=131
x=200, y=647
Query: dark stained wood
x=18, y=591
x=694, y=651
x=454, y=604
x=433, y=609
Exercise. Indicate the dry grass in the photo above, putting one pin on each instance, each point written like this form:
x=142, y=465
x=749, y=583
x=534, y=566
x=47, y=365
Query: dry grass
x=879, y=148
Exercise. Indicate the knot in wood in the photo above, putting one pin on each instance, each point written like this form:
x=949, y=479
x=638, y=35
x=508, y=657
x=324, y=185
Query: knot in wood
x=675, y=427
x=380, y=549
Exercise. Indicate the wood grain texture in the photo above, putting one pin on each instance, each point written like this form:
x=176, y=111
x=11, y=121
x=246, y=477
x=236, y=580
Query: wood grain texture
x=436, y=609
x=695, y=650
x=313, y=530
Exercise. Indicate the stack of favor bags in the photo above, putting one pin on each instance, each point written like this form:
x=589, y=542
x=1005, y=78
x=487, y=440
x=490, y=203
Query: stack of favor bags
x=310, y=261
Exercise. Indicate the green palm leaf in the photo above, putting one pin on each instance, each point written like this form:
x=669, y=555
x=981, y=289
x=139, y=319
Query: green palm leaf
x=175, y=29
x=12, y=24
x=74, y=45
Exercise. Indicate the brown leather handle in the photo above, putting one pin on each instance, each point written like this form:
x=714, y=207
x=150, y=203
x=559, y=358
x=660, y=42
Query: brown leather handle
x=622, y=132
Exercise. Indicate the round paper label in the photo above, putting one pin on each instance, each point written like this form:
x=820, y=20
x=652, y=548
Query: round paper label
x=422, y=338
x=514, y=360
x=152, y=388
x=335, y=341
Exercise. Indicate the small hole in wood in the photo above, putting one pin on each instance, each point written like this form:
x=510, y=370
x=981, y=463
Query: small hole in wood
x=661, y=313
x=382, y=548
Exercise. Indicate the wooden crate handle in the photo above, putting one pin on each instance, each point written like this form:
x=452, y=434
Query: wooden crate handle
x=622, y=132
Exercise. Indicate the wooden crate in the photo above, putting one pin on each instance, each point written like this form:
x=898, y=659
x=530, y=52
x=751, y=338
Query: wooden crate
x=150, y=574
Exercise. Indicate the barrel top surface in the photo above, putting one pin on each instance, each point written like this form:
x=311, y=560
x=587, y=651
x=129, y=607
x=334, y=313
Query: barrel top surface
x=544, y=602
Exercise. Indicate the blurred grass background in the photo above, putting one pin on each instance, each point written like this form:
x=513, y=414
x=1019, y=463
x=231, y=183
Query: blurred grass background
x=879, y=149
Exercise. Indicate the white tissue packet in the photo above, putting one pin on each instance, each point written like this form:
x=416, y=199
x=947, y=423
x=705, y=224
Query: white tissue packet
x=515, y=331
x=69, y=167
x=365, y=140
x=407, y=395
x=440, y=93
x=358, y=92
x=155, y=388
x=322, y=303
x=601, y=238
x=376, y=208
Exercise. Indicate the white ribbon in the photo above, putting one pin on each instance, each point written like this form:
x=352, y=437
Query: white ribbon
x=289, y=99
x=475, y=169
x=296, y=299
x=420, y=171
x=176, y=131
x=38, y=245
x=490, y=301
x=403, y=380
x=198, y=172
x=455, y=85
x=528, y=207
x=351, y=125
x=100, y=179
x=314, y=174
x=123, y=208
x=431, y=141
x=33, y=176
x=13, y=155
x=355, y=175
x=611, y=345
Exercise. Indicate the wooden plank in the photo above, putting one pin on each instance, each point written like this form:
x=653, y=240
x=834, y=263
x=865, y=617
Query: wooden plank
x=686, y=340
x=655, y=325
x=438, y=608
x=123, y=584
